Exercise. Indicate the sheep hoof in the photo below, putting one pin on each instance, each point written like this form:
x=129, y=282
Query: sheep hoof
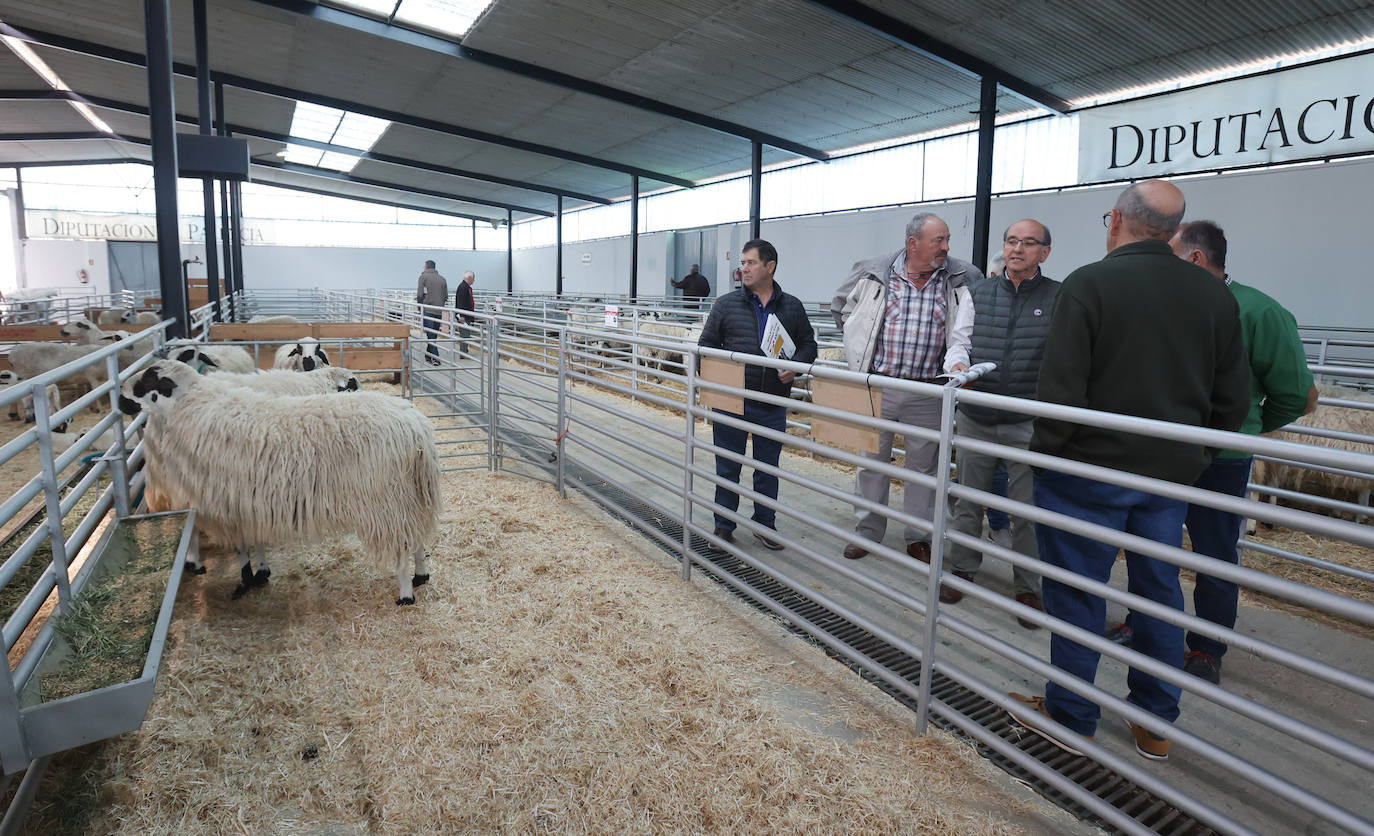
x=419, y=580
x=239, y=592
x=260, y=577
x=193, y=568
x=405, y=602
x=245, y=576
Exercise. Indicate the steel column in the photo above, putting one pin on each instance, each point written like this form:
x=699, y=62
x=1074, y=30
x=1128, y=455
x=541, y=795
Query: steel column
x=236, y=210
x=510, y=253
x=982, y=201
x=634, y=237
x=225, y=231
x=162, y=122
x=208, y=183
x=558, y=248
x=755, y=188
x=937, y=554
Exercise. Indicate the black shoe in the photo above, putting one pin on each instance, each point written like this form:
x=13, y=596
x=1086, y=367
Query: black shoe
x=768, y=542
x=1120, y=634
x=726, y=534
x=1203, y=666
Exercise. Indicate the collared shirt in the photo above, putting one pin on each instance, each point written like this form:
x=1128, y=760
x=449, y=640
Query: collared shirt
x=913, y=334
x=761, y=311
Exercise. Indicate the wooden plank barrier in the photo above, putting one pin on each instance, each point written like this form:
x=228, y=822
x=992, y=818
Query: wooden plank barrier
x=359, y=358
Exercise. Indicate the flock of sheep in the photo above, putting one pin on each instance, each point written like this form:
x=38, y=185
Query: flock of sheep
x=295, y=454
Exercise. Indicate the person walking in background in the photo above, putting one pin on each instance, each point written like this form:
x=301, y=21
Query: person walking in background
x=1011, y=321
x=463, y=301
x=1140, y=333
x=906, y=315
x=736, y=323
x=694, y=286
x=432, y=294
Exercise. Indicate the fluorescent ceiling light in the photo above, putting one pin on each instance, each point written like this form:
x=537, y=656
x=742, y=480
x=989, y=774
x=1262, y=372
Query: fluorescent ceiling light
x=38, y=65
x=336, y=127
x=452, y=18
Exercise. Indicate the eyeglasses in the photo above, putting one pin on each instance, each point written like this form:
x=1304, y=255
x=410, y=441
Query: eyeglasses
x=1107, y=219
x=1027, y=242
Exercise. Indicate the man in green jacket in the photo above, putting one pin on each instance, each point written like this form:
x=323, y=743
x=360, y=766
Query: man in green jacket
x=1139, y=333
x=1281, y=391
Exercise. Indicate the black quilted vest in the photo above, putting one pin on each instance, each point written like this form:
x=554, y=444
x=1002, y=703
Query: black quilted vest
x=1009, y=328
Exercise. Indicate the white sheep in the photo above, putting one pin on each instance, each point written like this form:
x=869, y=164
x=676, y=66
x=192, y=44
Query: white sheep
x=1297, y=478
x=131, y=317
x=262, y=470
x=301, y=356
x=667, y=360
x=112, y=316
x=8, y=378
x=215, y=358
x=85, y=331
x=263, y=319
x=322, y=381
x=29, y=360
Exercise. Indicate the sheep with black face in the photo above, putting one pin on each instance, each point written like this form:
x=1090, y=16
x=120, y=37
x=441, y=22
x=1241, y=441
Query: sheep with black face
x=261, y=469
x=302, y=356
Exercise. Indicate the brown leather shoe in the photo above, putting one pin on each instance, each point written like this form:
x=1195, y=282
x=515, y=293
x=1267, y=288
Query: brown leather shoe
x=919, y=550
x=950, y=595
x=853, y=552
x=1031, y=600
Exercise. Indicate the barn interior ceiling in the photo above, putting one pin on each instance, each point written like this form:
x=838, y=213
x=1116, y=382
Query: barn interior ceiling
x=478, y=108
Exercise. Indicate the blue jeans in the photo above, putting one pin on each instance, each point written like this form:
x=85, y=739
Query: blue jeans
x=431, y=332
x=997, y=518
x=1134, y=512
x=1215, y=534
x=766, y=450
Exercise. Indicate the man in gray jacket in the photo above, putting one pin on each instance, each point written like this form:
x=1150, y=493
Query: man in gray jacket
x=432, y=294
x=1009, y=329
x=907, y=315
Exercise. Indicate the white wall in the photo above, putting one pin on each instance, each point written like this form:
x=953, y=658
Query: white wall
x=344, y=268
x=54, y=263
x=608, y=271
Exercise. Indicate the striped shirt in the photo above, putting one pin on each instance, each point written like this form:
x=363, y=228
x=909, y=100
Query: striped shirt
x=912, y=338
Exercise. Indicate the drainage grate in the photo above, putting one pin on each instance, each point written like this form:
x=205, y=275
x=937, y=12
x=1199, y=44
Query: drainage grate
x=1138, y=803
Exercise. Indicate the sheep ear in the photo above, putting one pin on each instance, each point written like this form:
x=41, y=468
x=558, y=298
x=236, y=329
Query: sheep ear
x=205, y=359
x=324, y=358
x=187, y=355
x=352, y=384
x=294, y=350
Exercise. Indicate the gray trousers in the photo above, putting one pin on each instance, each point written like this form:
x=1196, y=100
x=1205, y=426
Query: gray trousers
x=975, y=471
x=917, y=500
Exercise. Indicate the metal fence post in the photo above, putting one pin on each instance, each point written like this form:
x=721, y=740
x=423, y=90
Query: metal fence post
x=937, y=554
x=43, y=423
x=117, y=463
x=689, y=458
x=493, y=384
x=634, y=352
x=562, y=422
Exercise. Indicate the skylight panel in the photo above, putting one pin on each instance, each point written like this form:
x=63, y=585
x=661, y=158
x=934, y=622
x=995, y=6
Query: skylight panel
x=336, y=127
x=337, y=161
x=302, y=155
x=26, y=54
x=378, y=7
x=358, y=131
x=448, y=17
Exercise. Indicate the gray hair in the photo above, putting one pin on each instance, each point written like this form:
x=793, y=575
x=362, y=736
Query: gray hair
x=916, y=224
x=1134, y=209
x=468, y=274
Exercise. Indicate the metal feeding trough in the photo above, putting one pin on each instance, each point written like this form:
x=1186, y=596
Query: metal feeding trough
x=75, y=695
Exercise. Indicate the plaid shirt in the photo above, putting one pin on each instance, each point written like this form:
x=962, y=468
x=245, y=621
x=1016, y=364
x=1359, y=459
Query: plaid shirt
x=912, y=338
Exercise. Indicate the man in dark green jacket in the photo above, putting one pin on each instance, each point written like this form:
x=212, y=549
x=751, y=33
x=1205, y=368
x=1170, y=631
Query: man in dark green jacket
x=1281, y=390
x=736, y=323
x=1139, y=333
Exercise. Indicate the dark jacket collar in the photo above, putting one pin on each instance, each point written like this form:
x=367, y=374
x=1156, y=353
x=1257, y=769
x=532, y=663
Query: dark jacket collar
x=1027, y=285
x=1139, y=247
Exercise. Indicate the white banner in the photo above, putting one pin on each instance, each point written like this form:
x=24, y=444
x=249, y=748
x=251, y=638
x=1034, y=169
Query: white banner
x=1308, y=112
x=120, y=227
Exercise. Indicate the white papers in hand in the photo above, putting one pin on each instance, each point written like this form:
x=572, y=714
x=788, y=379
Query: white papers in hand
x=777, y=343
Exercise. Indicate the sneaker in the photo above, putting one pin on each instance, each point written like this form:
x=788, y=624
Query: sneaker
x=1148, y=744
x=768, y=542
x=1040, y=710
x=1203, y=666
x=1120, y=633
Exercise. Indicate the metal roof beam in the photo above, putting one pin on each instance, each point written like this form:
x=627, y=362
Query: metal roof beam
x=433, y=43
x=296, y=168
x=90, y=48
x=921, y=42
x=244, y=130
x=53, y=135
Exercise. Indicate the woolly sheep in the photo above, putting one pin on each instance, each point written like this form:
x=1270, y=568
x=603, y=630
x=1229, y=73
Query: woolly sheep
x=1298, y=478
x=216, y=358
x=112, y=316
x=301, y=356
x=665, y=358
x=8, y=378
x=29, y=360
x=263, y=320
x=131, y=317
x=319, y=465
x=321, y=381
x=85, y=331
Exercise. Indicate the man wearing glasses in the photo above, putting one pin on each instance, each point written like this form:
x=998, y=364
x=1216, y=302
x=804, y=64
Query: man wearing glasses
x=1141, y=333
x=1011, y=321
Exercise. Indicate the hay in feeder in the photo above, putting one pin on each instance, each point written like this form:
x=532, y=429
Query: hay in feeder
x=555, y=675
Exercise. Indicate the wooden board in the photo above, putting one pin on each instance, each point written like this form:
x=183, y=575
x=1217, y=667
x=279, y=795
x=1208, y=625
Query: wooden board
x=371, y=359
x=242, y=331
x=725, y=373
x=354, y=330
x=31, y=333
x=850, y=397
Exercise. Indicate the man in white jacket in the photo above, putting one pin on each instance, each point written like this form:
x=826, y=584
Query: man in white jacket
x=907, y=315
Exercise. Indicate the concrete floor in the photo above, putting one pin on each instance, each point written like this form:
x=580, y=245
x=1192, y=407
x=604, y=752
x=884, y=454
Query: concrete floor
x=1296, y=695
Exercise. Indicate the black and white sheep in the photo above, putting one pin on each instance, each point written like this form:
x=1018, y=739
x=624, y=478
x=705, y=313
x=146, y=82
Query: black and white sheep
x=212, y=358
x=262, y=470
x=8, y=378
x=301, y=356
